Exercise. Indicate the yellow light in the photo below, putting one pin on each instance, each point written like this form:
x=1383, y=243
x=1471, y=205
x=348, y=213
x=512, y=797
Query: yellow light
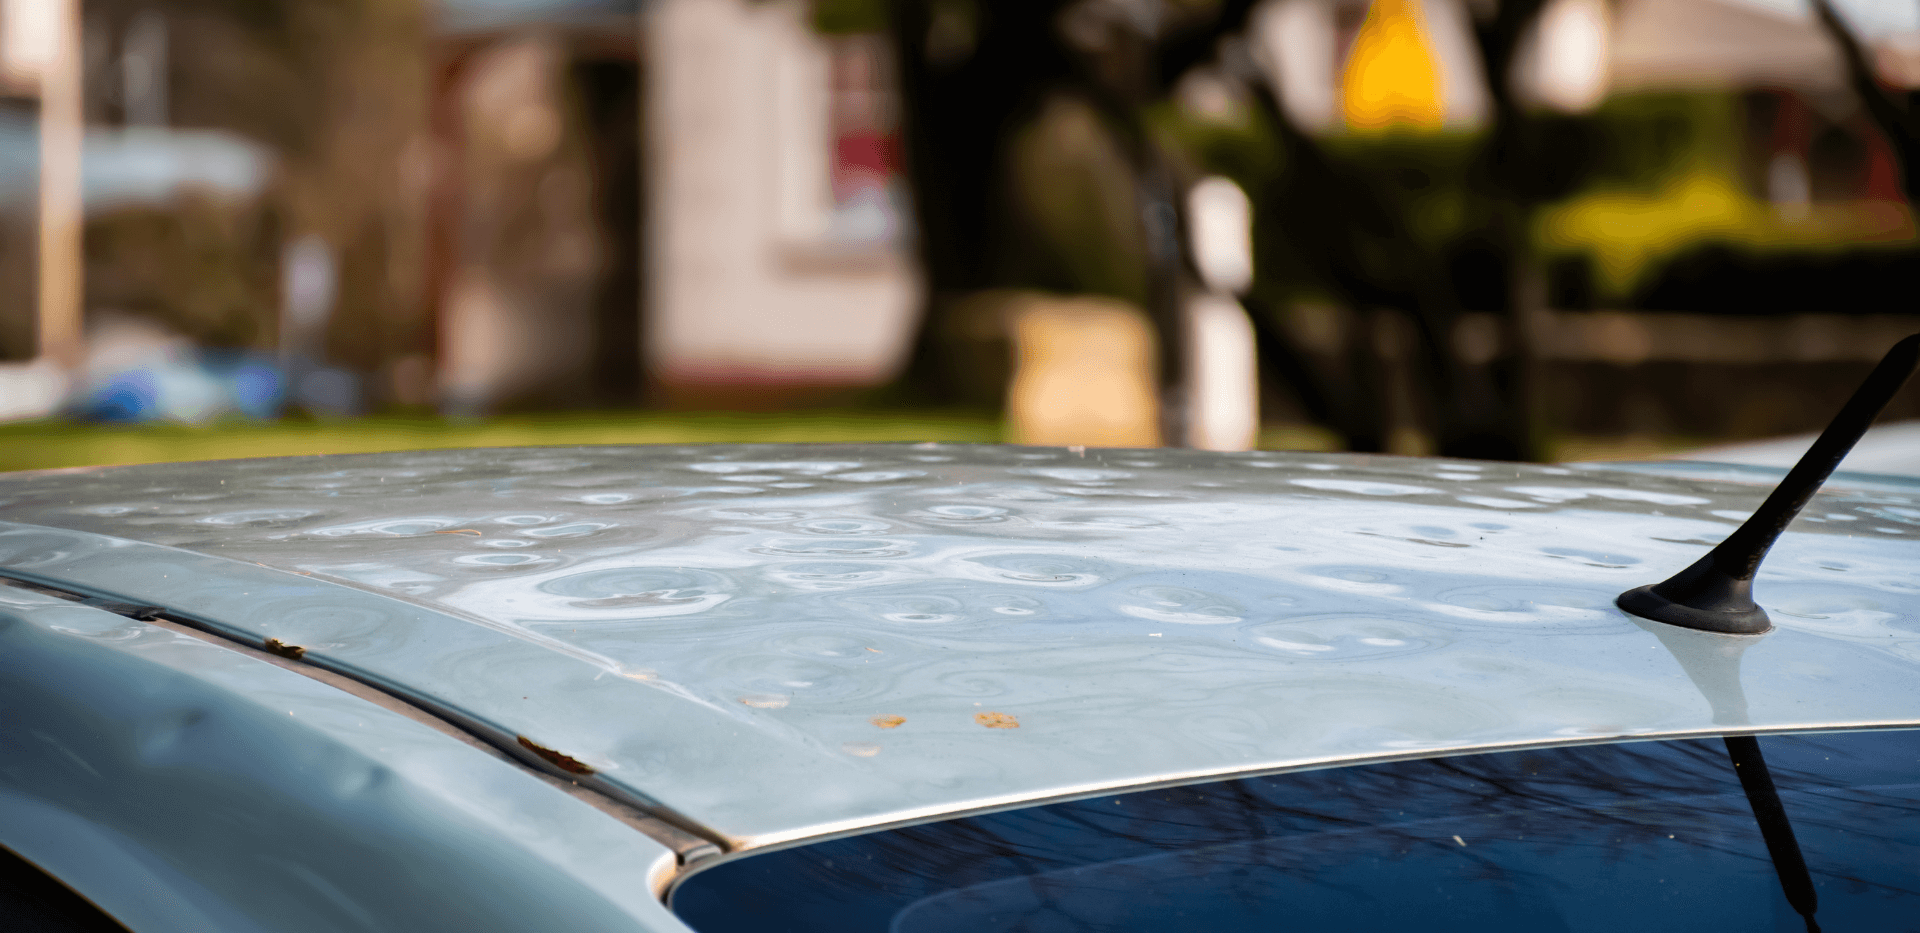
x=1392, y=79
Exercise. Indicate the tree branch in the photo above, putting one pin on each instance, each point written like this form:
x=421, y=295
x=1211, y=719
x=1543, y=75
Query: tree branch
x=1893, y=119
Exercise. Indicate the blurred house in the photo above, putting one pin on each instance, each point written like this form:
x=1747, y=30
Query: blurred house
x=168, y=211
x=487, y=204
x=1752, y=276
x=697, y=198
x=126, y=170
x=777, y=262
x=533, y=241
x=1807, y=139
x=1732, y=128
x=1720, y=44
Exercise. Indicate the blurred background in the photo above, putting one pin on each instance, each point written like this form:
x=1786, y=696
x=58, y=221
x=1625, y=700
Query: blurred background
x=1502, y=229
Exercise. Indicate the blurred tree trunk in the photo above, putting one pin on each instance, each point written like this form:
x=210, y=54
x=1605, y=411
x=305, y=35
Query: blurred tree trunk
x=1473, y=364
x=1328, y=222
x=974, y=73
x=1490, y=415
x=970, y=77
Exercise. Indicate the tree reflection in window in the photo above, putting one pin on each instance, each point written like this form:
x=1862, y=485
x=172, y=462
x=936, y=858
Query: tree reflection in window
x=1638, y=836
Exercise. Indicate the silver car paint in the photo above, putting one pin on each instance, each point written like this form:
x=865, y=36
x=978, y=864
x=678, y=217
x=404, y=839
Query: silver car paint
x=782, y=643
x=183, y=786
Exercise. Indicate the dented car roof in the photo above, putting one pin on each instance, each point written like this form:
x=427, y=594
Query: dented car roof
x=776, y=642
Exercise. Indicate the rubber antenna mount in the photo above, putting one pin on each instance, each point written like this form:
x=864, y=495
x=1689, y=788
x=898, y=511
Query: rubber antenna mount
x=1716, y=593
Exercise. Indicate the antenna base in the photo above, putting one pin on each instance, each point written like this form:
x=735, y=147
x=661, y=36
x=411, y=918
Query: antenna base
x=1716, y=593
x=1647, y=603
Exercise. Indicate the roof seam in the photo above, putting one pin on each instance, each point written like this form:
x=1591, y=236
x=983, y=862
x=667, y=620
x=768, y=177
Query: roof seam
x=689, y=843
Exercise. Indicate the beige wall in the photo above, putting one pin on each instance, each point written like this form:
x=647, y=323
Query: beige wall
x=745, y=284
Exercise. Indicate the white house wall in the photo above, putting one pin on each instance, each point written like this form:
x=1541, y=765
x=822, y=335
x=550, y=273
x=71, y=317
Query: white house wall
x=744, y=286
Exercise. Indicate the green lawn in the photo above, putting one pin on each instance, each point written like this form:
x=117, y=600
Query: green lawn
x=45, y=444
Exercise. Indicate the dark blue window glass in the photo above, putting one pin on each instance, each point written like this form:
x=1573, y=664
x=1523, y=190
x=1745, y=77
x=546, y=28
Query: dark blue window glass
x=1643, y=836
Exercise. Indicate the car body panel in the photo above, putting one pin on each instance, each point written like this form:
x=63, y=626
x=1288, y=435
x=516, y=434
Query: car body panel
x=182, y=785
x=785, y=643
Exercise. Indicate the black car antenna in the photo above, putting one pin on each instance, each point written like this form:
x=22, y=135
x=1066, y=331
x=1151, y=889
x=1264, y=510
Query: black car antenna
x=1716, y=593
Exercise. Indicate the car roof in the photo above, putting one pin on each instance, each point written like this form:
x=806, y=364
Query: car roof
x=783, y=642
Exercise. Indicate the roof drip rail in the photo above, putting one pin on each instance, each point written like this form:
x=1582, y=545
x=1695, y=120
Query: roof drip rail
x=1716, y=593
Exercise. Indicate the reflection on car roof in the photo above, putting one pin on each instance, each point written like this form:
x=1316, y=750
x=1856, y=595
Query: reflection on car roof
x=779, y=641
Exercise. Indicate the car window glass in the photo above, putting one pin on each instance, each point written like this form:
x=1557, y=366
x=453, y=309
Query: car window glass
x=1640, y=836
x=31, y=901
